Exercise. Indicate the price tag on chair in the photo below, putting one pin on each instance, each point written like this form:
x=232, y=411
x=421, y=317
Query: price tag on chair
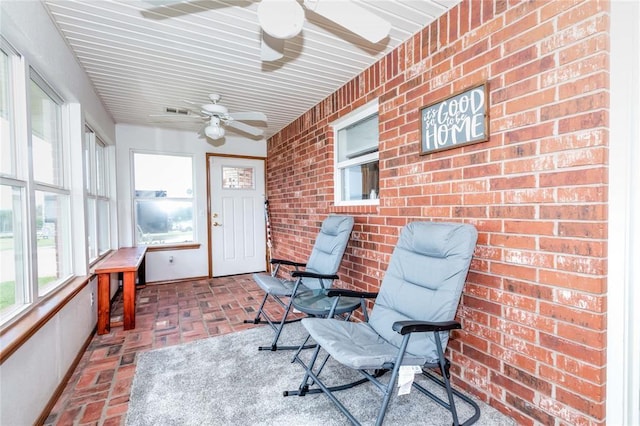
x=405, y=378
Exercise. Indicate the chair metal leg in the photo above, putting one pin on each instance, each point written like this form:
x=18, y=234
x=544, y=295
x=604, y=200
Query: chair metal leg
x=309, y=374
x=445, y=382
x=263, y=313
x=277, y=327
x=303, y=346
x=278, y=330
x=444, y=369
x=256, y=320
x=392, y=381
x=312, y=378
x=303, y=389
x=442, y=382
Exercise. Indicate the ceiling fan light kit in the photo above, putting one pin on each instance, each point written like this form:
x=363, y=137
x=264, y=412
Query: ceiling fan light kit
x=214, y=132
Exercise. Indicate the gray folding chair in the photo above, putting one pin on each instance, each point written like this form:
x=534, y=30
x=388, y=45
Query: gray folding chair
x=410, y=321
x=319, y=272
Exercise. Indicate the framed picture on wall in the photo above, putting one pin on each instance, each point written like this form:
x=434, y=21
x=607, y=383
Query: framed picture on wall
x=460, y=119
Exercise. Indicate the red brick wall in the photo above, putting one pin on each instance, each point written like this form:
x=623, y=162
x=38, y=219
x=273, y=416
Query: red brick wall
x=533, y=310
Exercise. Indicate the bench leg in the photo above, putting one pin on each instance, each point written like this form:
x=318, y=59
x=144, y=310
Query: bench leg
x=104, y=304
x=129, y=296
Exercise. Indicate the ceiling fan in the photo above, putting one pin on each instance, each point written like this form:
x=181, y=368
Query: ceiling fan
x=283, y=19
x=217, y=117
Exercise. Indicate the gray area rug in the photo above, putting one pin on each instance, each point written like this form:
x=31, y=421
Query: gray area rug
x=225, y=380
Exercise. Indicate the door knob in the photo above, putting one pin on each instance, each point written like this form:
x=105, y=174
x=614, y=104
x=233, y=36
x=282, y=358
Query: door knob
x=216, y=224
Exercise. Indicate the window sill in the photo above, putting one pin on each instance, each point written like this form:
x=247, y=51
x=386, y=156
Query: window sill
x=356, y=209
x=166, y=247
x=15, y=334
x=94, y=262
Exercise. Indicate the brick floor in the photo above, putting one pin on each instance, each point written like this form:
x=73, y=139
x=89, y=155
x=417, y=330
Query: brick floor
x=166, y=315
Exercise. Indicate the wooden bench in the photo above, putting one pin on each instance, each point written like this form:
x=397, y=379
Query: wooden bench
x=129, y=261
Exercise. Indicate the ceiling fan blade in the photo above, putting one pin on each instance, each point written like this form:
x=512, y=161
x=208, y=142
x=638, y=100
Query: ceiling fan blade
x=159, y=3
x=352, y=17
x=194, y=111
x=166, y=9
x=179, y=116
x=271, y=48
x=254, y=131
x=249, y=116
x=201, y=134
x=192, y=103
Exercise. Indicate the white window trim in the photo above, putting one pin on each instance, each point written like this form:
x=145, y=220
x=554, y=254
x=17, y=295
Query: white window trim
x=132, y=180
x=623, y=296
x=353, y=117
x=92, y=145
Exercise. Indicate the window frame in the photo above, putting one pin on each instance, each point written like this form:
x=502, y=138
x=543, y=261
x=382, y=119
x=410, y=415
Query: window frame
x=61, y=178
x=41, y=268
x=136, y=229
x=18, y=178
x=361, y=114
x=14, y=61
x=60, y=188
x=96, y=186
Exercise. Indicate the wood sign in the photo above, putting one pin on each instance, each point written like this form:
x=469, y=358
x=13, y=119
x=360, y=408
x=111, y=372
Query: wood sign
x=458, y=120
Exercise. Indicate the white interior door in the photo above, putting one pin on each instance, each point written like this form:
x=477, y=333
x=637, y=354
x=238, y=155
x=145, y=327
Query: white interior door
x=237, y=221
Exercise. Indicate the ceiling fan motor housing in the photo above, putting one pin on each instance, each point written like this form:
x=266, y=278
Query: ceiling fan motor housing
x=214, y=109
x=282, y=19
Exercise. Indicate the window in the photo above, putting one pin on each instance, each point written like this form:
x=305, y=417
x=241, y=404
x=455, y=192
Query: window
x=237, y=178
x=51, y=194
x=14, y=292
x=7, y=140
x=163, y=198
x=14, y=289
x=35, y=200
x=356, y=147
x=96, y=160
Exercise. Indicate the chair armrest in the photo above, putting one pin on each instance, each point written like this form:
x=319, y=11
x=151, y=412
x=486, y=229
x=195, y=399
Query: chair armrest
x=287, y=262
x=405, y=327
x=333, y=292
x=305, y=274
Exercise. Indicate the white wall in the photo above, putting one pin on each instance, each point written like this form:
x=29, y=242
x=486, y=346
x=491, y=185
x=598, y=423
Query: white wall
x=186, y=263
x=30, y=376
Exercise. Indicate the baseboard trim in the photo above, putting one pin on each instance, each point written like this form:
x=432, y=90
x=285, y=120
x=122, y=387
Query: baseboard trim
x=182, y=280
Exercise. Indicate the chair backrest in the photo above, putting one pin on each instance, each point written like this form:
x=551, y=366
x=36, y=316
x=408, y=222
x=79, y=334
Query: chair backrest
x=329, y=248
x=424, y=281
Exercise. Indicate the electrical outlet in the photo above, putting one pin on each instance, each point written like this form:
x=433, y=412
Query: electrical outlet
x=93, y=299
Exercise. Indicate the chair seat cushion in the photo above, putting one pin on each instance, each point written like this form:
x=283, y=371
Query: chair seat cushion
x=276, y=286
x=355, y=345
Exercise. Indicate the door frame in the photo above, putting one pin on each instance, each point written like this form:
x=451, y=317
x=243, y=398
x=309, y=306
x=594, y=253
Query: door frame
x=623, y=279
x=208, y=157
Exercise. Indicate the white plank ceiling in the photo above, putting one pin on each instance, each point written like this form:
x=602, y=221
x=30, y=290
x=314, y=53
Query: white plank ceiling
x=145, y=56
